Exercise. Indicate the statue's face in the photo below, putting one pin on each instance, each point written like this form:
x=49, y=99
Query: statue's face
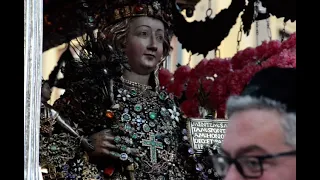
x=144, y=47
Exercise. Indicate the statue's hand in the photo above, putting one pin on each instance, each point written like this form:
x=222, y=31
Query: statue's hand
x=103, y=143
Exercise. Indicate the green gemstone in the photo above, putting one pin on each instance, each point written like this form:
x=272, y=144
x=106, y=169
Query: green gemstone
x=152, y=115
x=127, y=127
x=117, y=139
x=91, y=19
x=162, y=96
x=125, y=117
x=123, y=148
x=134, y=136
x=133, y=92
x=53, y=148
x=138, y=107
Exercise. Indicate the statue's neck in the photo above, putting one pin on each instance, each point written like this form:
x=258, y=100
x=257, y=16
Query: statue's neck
x=134, y=77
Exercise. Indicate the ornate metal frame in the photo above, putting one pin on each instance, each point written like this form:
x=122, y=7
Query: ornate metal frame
x=32, y=86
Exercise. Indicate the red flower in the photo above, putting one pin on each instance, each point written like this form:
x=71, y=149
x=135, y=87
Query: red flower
x=217, y=66
x=192, y=88
x=181, y=75
x=233, y=82
x=243, y=58
x=165, y=77
x=190, y=108
x=199, y=70
x=176, y=89
x=206, y=85
x=232, y=76
x=290, y=42
x=221, y=110
x=285, y=59
x=219, y=91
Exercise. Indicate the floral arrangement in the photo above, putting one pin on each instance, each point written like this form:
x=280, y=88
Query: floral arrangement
x=208, y=85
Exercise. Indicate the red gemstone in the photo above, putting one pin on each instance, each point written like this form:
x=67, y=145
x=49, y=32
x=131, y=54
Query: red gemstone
x=108, y=171
x=138, y=8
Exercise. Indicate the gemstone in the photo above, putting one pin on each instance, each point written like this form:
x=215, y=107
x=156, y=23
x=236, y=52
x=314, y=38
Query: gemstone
x=152, y=115
x=185, y=138
x=133, y=92
x=152, y=124
x=109, y=114
x=199, y=167
x=138, y=107
x=90, y=19
x=190, y=151
x=139, y=120
x=184, y=131
x=123, y=148
x=167, y=141
x=138, y=9
x=134, y=136
x=146, y=128
x=108, y=171
x=123, y=156
x=53, y=148
x=125, y=117
x=127, y=127
x=162, y=95
x=117, y=139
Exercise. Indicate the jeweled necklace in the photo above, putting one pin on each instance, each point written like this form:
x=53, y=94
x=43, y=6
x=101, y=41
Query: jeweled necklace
x=135, y=84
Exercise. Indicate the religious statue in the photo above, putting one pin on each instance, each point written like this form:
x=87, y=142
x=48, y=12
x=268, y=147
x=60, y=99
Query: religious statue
x=114, y=121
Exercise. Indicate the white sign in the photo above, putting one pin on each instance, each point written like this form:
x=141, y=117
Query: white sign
x=206, y=132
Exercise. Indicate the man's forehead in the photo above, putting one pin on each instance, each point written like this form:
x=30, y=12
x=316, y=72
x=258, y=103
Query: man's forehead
x=252, y=129
x=253, y=119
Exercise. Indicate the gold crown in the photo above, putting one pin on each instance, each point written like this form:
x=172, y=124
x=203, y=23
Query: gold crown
x=117, y=10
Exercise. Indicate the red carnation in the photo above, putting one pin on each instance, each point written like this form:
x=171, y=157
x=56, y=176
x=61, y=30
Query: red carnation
x=181, y=75
x=192, y=88
x=262, y=49
x=199, y=69
x=206, y=85
x=273, y=48
x=165, y=77
x=176, y=89
x=219, y=91
x=290, y=42
x=247, y=56
x=234, y=86
x=217, y=66
x=190, y=108
x=221, y=110
x=286, y=58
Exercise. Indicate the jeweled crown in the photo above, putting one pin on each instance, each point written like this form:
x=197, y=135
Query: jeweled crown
x=117, y=10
